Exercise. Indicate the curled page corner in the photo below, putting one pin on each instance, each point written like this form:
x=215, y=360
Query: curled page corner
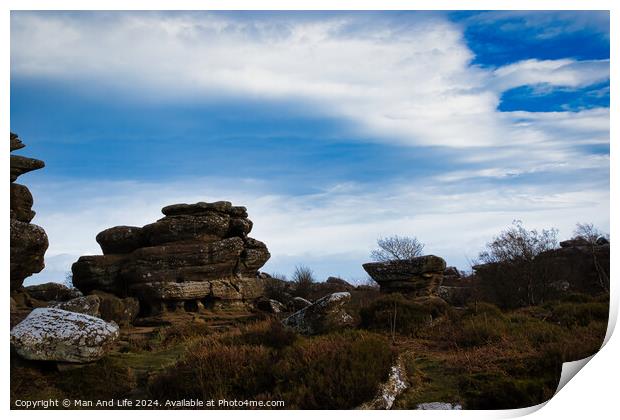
x=569, y=370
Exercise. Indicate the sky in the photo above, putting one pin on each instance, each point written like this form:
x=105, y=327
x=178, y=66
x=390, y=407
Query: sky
x=333, y=128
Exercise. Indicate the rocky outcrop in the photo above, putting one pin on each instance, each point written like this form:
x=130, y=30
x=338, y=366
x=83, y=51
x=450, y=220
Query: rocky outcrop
x=389, y=390
x=197, y=255
x=419, y=276
x=28, y=242
x=62, y=336
x=326, y=314
x=271, y=306
x=298, y=303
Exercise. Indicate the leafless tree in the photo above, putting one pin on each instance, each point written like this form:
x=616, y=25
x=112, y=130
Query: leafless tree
x=303, y=277
x=592, y=235
x=397, y=248
x=518, y=277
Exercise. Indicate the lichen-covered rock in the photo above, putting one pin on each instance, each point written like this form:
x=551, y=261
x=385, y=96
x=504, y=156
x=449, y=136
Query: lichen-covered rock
x=326, y=314
x=419, y=276
x=437, y=405
x=62, y=336
x=28, y=245
x=120, y=239
x=254, y=256
x=52, y=292
x=21, y=203
x=390, y=389
x=88, y=305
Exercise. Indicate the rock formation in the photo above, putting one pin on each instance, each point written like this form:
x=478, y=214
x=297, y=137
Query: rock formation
x=198, y=255
x=28, y=241
x=62, y=336
x=419, y=276
x=324, y=315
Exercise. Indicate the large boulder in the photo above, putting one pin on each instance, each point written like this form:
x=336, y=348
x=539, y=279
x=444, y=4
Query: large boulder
x=120, y=239
x=326, y=314
x=418, y=276
x=57, y=335
x=271, y=306
x=28, y=245
x=54, y=292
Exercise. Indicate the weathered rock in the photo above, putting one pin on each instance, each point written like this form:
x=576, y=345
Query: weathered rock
x=454, y=295
x=207, y=227
x=21, y=203
x=270, y=305
x=28, y=245
x=123, y=311
x=419, y=276
x=99, y=272
x=120, y=239
x=52, y=292
x=299, y=303
x=570, y=243
x=253, y=257
x=16, y=143
x=340, y=283
x=185, y=262
x=324, y=315
x=21, y=165
x=88, y=305
x=198, y=251
x=58, y=335
x=392, y=388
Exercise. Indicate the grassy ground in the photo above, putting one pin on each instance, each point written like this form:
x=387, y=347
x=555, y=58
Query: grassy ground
x=479, y=357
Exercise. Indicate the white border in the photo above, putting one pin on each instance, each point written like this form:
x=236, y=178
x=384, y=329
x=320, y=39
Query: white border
x=593, y=394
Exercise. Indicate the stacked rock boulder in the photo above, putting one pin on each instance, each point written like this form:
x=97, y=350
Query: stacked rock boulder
x=418, y=276
x=198, y=255
x=28, y=241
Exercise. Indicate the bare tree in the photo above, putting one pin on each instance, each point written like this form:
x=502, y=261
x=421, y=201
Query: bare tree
x=517, y=244
x=592, y=235
x=589, y=232
x=513, y=273
x=397, y=248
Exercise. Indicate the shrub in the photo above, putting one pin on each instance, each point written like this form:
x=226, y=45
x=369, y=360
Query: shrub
x=334, y=371
x=270, y=333
x=479, y=330
x=480, y=308
x=303, y=278
x=394, y=312
x=571, y=314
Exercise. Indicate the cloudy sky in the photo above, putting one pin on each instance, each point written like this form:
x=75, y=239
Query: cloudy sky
x=332, y=128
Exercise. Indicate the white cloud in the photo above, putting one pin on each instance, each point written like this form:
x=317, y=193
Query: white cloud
x=411, y=85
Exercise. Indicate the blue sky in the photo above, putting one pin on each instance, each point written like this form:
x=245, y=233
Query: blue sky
x=333, y=128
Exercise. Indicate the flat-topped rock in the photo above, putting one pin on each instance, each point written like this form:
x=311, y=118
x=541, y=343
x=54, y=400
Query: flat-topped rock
x=21, y=165
x=52, y=292
x=197, y=208
x=419, y=275
x=206, y=227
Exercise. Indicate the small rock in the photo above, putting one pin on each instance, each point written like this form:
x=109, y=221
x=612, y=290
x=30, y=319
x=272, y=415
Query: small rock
x=323, y=315
x=298, y=303
x=62, y=336
x=270, y=305
x=88, y=305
